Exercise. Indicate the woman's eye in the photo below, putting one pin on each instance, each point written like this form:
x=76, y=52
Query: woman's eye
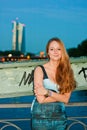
x=51, y=49
x=55, y=49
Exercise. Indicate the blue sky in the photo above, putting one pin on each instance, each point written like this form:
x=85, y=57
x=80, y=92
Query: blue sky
x=44, y=19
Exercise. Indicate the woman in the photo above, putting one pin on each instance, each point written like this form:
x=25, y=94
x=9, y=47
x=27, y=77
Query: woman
x=53, y=84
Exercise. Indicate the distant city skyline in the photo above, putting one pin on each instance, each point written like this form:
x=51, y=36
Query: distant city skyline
x=44, y=19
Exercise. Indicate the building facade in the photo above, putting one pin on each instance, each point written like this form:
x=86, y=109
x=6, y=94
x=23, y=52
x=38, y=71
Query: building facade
x=18, y=36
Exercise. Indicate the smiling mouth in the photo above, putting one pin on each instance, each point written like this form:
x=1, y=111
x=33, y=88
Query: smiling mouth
x=56, y=55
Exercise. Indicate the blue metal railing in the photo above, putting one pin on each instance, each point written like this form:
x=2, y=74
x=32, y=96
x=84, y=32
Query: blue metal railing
x=15, y=112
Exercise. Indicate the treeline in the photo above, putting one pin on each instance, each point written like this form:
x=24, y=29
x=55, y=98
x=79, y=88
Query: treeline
x=81, y=50
x=14, y=53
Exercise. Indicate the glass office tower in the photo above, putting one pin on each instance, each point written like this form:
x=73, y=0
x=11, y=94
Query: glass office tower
x=18, y=36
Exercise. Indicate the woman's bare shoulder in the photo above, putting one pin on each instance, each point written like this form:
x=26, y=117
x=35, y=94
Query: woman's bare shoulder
x=38, y=74
x=39, y=69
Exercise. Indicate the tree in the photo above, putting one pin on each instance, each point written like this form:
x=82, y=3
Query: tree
x=73, y=52
x=81, y=50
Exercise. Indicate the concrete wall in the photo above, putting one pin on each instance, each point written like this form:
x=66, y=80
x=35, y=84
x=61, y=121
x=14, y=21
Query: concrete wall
x=11, y=75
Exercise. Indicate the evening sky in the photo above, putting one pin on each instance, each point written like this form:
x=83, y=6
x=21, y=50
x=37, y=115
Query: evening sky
x=44, y=19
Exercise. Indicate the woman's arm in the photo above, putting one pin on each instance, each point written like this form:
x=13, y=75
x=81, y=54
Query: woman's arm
x=52, y=96
x=62, y=97
x=38, y=85
x=59, y=97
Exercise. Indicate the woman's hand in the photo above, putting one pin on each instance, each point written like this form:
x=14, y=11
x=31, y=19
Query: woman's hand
x=40, y=90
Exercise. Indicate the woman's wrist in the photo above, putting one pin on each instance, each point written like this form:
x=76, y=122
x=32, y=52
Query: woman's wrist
x=48, y=93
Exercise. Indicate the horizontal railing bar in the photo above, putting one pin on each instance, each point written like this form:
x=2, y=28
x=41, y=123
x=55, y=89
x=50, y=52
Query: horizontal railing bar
x=24, y=105
x=77, y=117
x=24, y=119
x=15, y=105
x=77, y=104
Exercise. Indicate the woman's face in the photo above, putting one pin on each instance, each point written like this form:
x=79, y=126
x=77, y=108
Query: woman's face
x=54, y=51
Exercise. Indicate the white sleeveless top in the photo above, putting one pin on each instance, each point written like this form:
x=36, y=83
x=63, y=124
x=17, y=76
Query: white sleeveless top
x=48, y=84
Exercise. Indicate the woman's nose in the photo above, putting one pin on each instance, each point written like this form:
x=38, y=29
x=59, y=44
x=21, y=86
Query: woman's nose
x=55, y=50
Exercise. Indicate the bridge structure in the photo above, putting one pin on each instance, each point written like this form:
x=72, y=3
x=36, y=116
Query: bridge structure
x=16, y=97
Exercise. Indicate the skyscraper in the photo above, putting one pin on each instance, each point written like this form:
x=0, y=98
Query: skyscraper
x=18, y=37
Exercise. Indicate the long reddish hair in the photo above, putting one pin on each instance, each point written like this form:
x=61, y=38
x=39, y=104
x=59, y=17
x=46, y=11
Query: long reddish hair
x=64, y=73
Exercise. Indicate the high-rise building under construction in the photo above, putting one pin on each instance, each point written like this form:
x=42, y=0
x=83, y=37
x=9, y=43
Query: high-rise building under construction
x=18, y=38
